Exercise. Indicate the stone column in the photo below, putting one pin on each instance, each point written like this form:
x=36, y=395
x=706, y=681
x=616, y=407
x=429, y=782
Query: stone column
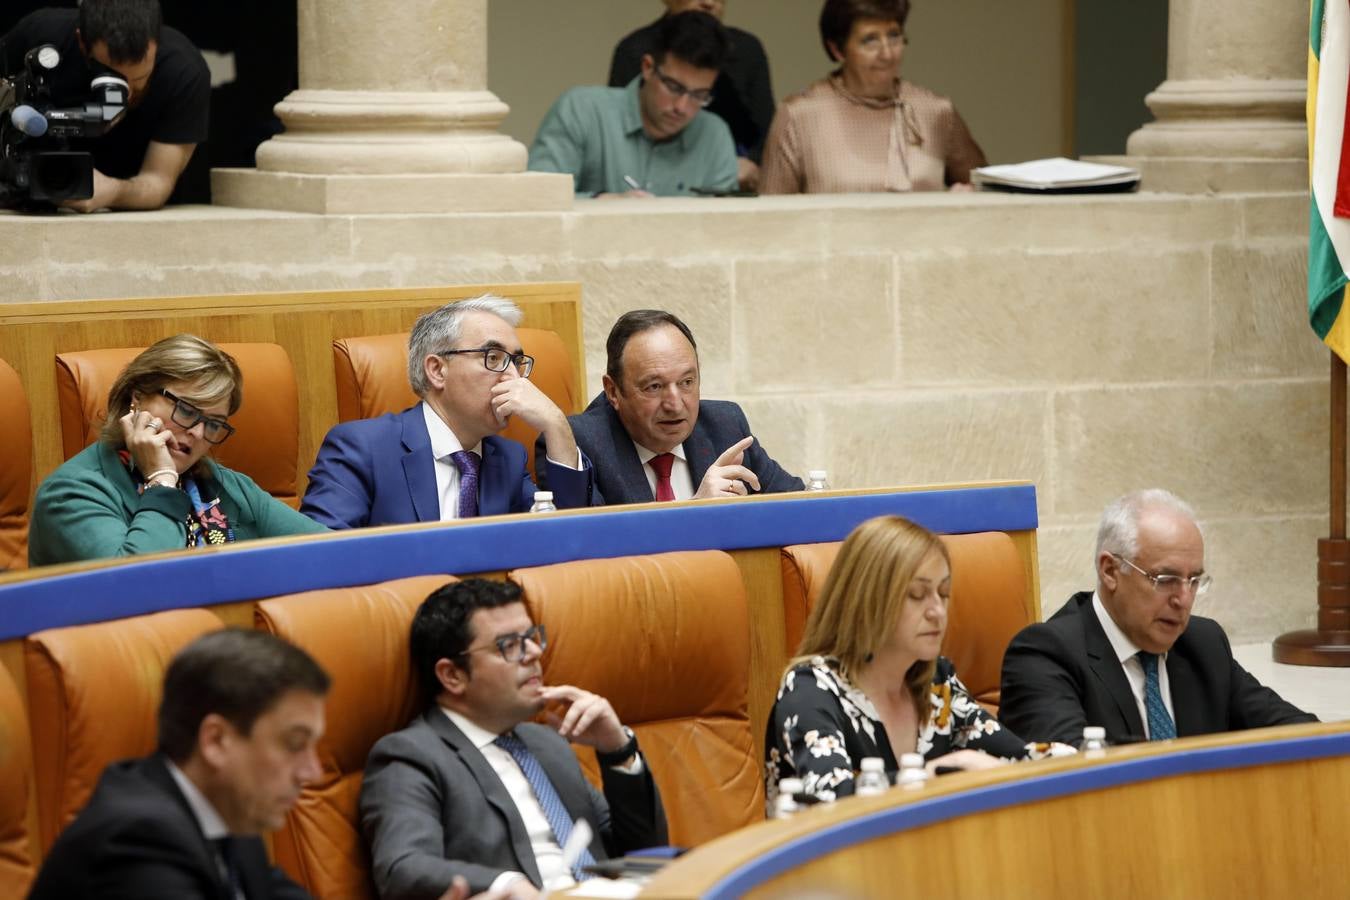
x=393, y=114
x=1230, y=116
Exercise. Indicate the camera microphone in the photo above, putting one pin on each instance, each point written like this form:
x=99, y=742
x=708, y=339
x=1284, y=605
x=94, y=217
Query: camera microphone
x=29, y=121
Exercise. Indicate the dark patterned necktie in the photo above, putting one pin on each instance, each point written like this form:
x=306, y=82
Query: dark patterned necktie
x=1160, y=726
x=544, y=792
x=467, y=462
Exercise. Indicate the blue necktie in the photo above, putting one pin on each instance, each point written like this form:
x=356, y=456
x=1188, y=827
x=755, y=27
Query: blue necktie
x=548, y=798
x=1160, y=727
x=467, y=462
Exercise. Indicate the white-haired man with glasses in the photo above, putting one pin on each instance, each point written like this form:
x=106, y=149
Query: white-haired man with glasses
x=1129, y=656
x=442, y=458
x=473, y=789
x=651, y=138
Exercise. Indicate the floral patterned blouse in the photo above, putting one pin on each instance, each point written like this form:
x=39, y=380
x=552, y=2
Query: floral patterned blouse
x=821, y=727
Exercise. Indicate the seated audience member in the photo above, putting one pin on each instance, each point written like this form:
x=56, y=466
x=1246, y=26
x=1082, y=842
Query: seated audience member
x=868, y=680
x=149, y=483
x=472, y=788
x=863, y=128
x=742, y=94
x=650, y=138
x=240, y=717
x=442, y=459
x=649, y=435
x=138, y=161
x=1130, y=657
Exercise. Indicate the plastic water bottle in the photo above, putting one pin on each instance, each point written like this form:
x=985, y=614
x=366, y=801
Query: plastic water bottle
x=815, y=480
x=1094, y=742
x=786, y=805
x=872, y=780
x=543, y=502
x=913, y=776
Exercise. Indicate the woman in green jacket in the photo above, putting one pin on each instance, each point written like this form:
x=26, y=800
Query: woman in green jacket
x=148, y=484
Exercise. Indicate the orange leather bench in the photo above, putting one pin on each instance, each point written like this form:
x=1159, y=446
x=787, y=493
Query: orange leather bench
x=360, y=637
x=16, y=470
x=16, y=788
x=665, y=638
x=988, y=605
x=93, y=697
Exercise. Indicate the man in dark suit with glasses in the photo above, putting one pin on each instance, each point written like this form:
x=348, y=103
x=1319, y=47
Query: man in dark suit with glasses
x=1130, y=657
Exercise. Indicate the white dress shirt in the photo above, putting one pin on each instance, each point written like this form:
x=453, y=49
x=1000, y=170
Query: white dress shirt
x=208, y=820
x=443, y=444
x=547, y=853
x=1126, y=651
x=681, y=478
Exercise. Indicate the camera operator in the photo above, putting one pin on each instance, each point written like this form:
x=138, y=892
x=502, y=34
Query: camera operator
x=138, y=161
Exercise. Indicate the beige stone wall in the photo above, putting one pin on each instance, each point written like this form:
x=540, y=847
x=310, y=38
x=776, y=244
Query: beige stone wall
x=1091, y=345
x=1003, y=63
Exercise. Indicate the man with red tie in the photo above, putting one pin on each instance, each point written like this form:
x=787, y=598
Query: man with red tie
x=650, y=436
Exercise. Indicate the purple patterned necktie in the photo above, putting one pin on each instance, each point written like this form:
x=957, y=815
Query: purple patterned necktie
x=467, y=462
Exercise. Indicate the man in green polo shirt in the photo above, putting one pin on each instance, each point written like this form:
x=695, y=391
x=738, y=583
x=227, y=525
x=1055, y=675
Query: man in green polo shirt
x=652, y=137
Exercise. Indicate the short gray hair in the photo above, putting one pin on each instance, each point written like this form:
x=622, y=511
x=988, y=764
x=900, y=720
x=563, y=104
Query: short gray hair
x=439, y=330
x=1119, y=529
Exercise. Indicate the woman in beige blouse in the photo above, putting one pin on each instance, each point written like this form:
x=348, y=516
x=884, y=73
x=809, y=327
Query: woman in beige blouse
x=863, y=128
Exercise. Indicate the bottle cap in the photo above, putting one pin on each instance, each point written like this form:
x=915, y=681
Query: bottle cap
x=816, y=475
x=1094, y=733
x=911, y=760
x=873, y=764
x=542, y=495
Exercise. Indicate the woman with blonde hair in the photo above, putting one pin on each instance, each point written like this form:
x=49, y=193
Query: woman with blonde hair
x=149, y=483
x=868, y=679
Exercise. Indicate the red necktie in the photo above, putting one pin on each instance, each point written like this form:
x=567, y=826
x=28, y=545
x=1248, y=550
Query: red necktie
x=661, y=464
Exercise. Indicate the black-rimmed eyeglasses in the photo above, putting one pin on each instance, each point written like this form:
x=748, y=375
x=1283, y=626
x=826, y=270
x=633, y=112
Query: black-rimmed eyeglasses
x=1171, y=584
x=512, y=646
x=495, y=359
x=216, y=431
x=702, y=97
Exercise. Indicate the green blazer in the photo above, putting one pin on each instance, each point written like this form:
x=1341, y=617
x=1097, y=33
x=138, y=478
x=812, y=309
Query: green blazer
x=89, y=509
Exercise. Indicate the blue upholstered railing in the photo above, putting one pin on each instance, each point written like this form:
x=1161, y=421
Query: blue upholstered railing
x=269, y=569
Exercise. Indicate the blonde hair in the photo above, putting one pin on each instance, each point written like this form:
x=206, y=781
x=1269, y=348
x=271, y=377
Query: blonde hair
x=212, y=373
x=862, y=596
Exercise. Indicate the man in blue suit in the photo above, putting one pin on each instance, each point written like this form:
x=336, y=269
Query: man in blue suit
x=650, y=435
x=442, y=459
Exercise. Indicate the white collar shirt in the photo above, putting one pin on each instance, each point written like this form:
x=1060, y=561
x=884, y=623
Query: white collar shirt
x=1127, y=655
x=681, y=477
x=547, y=853
x=208, y=820
x=443, y=445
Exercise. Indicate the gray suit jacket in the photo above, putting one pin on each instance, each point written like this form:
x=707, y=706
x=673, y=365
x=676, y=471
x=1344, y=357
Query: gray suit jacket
x=620, y=476
x=433, y=808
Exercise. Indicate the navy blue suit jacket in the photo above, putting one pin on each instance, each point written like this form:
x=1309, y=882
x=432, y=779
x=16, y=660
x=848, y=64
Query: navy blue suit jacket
x=381, y=472
x=620, y=476
x=1061, y=675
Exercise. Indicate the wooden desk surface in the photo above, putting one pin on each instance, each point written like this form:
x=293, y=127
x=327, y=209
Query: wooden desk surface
x=1261, y=813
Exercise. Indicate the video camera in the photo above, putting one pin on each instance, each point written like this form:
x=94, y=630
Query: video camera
x=37, y=167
